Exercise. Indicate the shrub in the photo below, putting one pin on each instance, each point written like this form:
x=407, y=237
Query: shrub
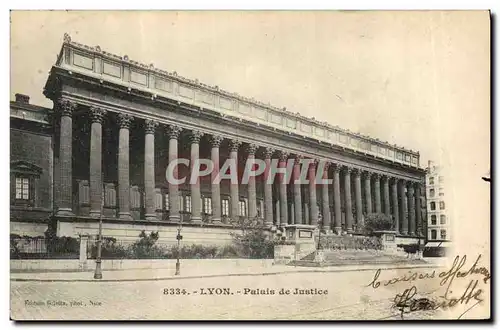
x=376, y=222
x=253, y=243
x=350, y=242
x=145, y=247
x=110, y=249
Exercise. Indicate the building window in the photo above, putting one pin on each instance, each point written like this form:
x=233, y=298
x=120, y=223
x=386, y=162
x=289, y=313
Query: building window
x=207, y=205
x=431, y=180
x=433, y=234
x=23, y=182
x=441, y=192
x=242, y=208
x=443, y=234
x=260, y=209
x=433, y=219
x=441, y=179
x=186, y=203
x=442, y=219
x=167, y=203
x=22, y=188
x=431, y=192
x=159, y=201
x=441, y=205
x=225, y=207
x=433, y=206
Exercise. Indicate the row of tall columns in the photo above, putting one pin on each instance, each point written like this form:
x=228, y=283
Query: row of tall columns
x=406, y=206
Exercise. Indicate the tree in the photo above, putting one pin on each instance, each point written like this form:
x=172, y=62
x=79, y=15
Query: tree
x=377, y=222
x=253, y=241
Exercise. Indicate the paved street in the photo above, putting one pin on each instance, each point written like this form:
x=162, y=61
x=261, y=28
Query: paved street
x=348, y=297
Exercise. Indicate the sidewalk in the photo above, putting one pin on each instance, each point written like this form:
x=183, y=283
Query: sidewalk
x=191, y=270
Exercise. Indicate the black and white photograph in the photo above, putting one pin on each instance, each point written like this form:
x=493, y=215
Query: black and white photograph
x=250, y=165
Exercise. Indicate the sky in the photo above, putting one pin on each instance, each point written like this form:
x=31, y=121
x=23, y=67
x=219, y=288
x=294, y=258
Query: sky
x=417, y=79
x=402, y=77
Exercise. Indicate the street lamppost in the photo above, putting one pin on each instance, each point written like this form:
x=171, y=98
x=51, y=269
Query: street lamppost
x=320, y=225
x=98, y=269
x=179, y=238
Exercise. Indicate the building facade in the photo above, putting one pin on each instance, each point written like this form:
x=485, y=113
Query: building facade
x=116, y=124
x=438, y=220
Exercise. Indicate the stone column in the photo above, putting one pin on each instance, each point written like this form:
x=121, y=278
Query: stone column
x=283, y=193
x=195, y=186
x=395, y=202
x=268, y=188
x=387, y=203
x=418, y=208
x=411, y=209
x=403, y=215
x=216, y=201
x=348, y=201
x=325, y=198
x=124, y=121
x=378, y=204
x=149, y=169
x=173, y=132
x=337, y=225
x=64, y=201
x=252, y=190
x=96, y=184
x=357, y=192
x=234, y=191
x=368, y=192
x=312, y=193
x=297, y=195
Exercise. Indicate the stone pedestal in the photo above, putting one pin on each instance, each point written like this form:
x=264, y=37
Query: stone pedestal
x=299, y=240
x=388, y=239
x=84, y=238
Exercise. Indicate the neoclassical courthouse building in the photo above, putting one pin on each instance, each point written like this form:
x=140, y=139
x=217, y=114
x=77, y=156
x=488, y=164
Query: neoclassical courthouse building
x=116, y=124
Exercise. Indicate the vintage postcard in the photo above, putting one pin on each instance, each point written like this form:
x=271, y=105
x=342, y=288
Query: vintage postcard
x=250, y=165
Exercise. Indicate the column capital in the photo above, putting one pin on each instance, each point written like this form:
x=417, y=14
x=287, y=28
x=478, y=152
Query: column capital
x=66, y=107
x=195, y=136
x=313, y=164
x=394, y=180
x=234, y=145
x=97, y=114
x=283, y=155
x=174, y=131
x=367, y=174
x=410, y=184
x=337, y=167
x=269, y=152
x=327, y=166
x=376, y=176
x=348, y=169
x=150, y=126
x=298, y=159
x=357, y=172
x=252, y=148
x=216, y=140
x=124, y=120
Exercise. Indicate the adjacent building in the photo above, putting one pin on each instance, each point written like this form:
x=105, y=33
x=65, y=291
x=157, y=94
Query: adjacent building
x=438, y=220
x=102, y=152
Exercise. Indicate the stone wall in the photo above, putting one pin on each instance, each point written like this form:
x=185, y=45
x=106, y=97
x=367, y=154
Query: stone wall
x=206, y=235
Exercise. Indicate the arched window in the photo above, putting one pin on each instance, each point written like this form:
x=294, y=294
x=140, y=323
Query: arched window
x=442, y=219
x=433, y=219
x=441, y=205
